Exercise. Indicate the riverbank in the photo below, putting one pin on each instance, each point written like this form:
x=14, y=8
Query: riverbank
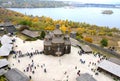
x=79, y=14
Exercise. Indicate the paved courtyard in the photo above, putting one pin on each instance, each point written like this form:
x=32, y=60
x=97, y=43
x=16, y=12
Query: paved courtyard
x=40, y=67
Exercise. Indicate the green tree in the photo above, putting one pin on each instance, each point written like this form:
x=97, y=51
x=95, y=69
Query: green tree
x=26, y=22
x=104, y=42
x=42, y=36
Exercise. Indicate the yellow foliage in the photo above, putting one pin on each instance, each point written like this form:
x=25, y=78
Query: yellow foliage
x=50, y=28
x=102, y=33
x=81, y=30
x=48, y=19
x=92, y=32
x=35, y=19
x=88, y=39
x=27, y=18
x=69, y=29
x=14, y=22
x=63, y=28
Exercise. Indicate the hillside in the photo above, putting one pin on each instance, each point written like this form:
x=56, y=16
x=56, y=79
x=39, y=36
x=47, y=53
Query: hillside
x=31, y=4
x=90, y=33
x=6, y=15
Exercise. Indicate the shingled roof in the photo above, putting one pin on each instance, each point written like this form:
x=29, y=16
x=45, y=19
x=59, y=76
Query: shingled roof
x=3, y=62
x=57, y=31
x=6, y=46
x=110, y=67
x=114, y=60
x=85, y=77
x=2, y=71
x=10, y=29
x=29, y=33
x=16, y=75
x=57, y=40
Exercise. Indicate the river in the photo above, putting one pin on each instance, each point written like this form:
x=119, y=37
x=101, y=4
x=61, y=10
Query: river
x=89, y=15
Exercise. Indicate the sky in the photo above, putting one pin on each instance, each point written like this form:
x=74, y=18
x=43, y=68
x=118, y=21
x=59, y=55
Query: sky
x=95, y=1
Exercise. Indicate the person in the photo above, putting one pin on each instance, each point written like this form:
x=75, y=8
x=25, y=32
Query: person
x=78, y=73
x=75, y=67
x=45, y=70
x=30, y=77
x=33, y=72
x=65, y=73
x=18, y=61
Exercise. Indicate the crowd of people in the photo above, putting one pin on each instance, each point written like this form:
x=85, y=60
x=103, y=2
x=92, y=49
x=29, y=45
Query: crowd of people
x=32, y=66
x=19, y=54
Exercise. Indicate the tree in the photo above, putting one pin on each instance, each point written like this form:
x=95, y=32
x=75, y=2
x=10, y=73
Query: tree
x=42, y=36
x=80, y=30
x=63, y=28
x=104, y=42
x=88, y=39
x=35, y=19
x=25, y=22
x=0, y=44
x=23, y=27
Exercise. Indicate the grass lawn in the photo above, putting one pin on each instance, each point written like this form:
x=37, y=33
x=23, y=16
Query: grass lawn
x=23, y=37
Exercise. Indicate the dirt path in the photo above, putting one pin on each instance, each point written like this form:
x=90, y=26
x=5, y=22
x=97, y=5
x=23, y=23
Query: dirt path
x=118, y=43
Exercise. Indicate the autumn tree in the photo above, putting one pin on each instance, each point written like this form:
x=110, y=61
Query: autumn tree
x=35, y=19
x=80, y=30
x=88, y=39
x=63, y=28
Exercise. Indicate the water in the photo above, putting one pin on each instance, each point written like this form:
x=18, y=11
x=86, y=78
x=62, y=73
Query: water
x=82, y=14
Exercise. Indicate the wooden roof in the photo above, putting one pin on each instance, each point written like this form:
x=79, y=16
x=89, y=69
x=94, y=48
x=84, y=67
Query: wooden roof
x=57, y=40
x=86, y=48
x=10, y=29
x=114, y=60
x=3, y=62
x=16, y=75
x=29, y=33
x=57, y=31
x=85, y=77
x=6, y=45
x=2, y=71
x=110, y=67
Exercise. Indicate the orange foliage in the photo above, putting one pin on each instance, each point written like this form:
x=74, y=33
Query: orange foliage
x=88, y=39
x=35, y=19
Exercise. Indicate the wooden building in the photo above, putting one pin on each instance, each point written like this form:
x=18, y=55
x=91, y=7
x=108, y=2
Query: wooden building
x=85, y=77
x=56, y=43
x=16, y=75
x=30, y=33
x=110, y=67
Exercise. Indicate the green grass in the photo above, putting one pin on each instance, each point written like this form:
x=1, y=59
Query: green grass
x=104, y=53
x=23, y=37
x=2, y=78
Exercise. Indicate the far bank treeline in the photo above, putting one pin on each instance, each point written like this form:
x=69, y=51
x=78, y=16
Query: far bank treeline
x=46, y=23
x=31, y=3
